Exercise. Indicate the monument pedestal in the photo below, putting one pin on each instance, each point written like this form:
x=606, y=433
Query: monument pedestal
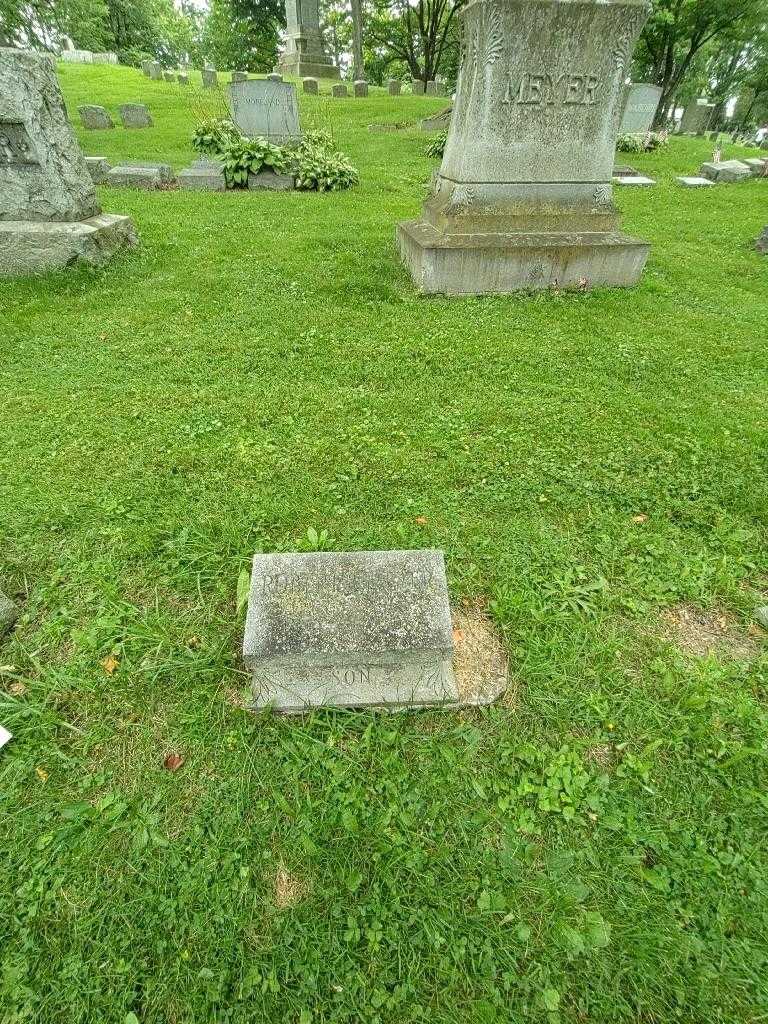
x=304, y=55
x=523, y=199
x=35, y=247
x=503, y=263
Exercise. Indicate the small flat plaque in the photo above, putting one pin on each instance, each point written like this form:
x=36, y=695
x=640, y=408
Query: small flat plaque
x=350, y=629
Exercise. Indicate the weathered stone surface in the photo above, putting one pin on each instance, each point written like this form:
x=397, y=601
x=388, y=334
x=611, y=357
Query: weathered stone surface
x=239, y=76
x=169, y=76
x=394, y=85
x=631, y=180
x=35, y=248
x=155, y=71
x=105, y=58
x=43, y=175
x=274, y=76
x=761, y=244
x=725, y=171
x=696, y=116
x=622, y=170
x=361, y=87
x=98, y=168
x=146, y=175
x=431, y=88
x=210, y=78
x=76, y=56
x=417, y=87
x=270, y=180
x=523, y=197
x=757, y=166
x=339, y=91
x=691, y=181
x=145, y=67
x=9, y=613
x=202, y=179
x=182, y=78
x=351, y=629
x=304, y=55
x=94, y=117
x=311, y=86
x=437, y=122
x=135, y=115
x=266, y=109
x=640, y=102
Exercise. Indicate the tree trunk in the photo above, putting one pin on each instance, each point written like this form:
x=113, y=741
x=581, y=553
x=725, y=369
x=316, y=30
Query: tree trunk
x=358, y=71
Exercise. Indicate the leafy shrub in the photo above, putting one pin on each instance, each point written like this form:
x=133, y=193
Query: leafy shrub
x=316, y=166
x=633, y=142
x=312, y=161
x=437, y=146
x=214, y=136
x=242, y=157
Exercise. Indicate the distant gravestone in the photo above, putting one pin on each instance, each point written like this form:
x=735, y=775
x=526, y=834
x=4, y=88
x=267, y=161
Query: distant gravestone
x=274, y=76
x=145, y=67
x=438, y=122
x=762, y=246
x=105, y=58
x=98, y=168
x=310, y=86
x=155, y=71
x=725, y=171
x=239, y=76
x=339, y=91
x=76, y=56
x=182, y=78
x=135, y=115
x=640, y=103
x=350, y=629
x=266, y=109
x=696, y=116
x=94, y=117
x=417, y=87
x=691, y=181
x=431, y=88
x=757, y=166
x=361, y=88
x=210, y=78
x=394, y=86
x=169, y=76
x=50, y=217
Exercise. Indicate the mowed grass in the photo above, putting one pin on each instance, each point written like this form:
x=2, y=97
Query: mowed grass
x=594, y=848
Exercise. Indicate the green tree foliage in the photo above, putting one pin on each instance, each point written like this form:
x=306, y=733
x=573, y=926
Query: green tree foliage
x=243, y=34
x=677, y=33
x=422, y=36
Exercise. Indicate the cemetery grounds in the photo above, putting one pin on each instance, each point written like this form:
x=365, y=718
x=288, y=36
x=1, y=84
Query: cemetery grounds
x=261, y=376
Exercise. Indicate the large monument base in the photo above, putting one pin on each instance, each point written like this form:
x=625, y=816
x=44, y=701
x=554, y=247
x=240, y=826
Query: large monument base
x=34, y=247
x=498, y=264
x=297, y=65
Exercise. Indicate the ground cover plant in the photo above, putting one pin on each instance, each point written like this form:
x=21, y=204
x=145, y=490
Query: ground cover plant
x=260, y=375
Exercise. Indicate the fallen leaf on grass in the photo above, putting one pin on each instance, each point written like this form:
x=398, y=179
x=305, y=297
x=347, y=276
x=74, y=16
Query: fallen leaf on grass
x=639, y=518
x=42, y=774
x=421, y=520
x=17, y=689
x=110, y=664
x=173, y=762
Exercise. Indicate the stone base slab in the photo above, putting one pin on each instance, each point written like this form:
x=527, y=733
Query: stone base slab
x=28, y=247
x=501, y=264
x=307, y=69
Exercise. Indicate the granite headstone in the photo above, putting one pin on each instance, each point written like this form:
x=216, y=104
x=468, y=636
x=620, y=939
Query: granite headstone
x=265, y=109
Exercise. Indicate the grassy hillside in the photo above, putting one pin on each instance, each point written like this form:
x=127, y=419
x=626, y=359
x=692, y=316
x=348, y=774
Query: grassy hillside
x=593, y=465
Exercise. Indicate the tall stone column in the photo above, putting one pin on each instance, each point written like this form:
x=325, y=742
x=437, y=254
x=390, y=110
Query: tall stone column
x=523, y=197
x=304, y=55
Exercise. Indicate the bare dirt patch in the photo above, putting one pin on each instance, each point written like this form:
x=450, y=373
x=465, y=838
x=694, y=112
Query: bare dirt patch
x=480, y=662
x=288, y=889
x=699, y=632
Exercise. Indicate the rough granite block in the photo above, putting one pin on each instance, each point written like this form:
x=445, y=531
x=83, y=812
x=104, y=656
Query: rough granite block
x=339, y=91
x=271, y=181
x=693, y=182
x=361, y=88
x=394, y=85
x=350, y=629
x=202, y=179
x=98, y=168
x=135, y=115
x=757, y=166
x=135, y=177
x=311, y=86
x=8, y=613
x=725, y=171
x=32, y=247
x=761, y=244
x=94, y=117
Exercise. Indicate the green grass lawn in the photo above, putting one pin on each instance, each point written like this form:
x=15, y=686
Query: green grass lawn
x=592, y=850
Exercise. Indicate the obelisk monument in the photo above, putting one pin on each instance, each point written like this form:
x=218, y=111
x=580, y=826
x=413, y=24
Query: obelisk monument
x=304, y=55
